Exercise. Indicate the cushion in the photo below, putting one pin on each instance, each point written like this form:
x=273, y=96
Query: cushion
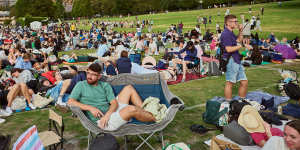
x=238, y=134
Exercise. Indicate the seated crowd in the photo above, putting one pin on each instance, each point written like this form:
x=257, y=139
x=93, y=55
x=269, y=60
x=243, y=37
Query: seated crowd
x=28, y=67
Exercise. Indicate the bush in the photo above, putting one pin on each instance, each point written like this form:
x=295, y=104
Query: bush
x=7, y=22
x=25, y=21
x=20, y=21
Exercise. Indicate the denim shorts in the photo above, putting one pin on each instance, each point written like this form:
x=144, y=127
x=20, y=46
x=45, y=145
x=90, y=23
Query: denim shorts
x=235, y=72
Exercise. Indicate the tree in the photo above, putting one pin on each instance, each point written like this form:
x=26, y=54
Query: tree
x=60, y=9
x=36, y=8
x=82, y=8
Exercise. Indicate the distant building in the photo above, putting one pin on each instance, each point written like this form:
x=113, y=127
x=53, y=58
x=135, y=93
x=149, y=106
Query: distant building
x=7, y=2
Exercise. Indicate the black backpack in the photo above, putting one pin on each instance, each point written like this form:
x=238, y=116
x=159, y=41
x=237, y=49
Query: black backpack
x=214, y=69
x=235, y=109
x=292, y=90
x=256, y=58
x=223, y=61
x=105, y=142
x=4, y=142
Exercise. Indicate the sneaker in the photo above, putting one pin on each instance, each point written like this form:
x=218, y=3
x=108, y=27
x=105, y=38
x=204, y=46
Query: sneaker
x=2, y=120
x=59, y=102
x=31, y=106
x=8, y=110
x=3, y=113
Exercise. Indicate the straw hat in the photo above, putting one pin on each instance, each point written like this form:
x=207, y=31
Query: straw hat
x=251, y=120
x=149, y=62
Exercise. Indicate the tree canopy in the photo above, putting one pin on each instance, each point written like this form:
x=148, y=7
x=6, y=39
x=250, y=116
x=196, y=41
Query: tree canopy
x=39, y=8
x=124, y=7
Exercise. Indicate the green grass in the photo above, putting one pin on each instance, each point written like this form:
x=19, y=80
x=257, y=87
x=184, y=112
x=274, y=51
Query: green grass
x=283, y=21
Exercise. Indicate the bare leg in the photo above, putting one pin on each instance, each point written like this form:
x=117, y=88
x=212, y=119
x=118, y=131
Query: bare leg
x=65, y=86
x=228, y=90
x=129, y=94
x=135, y=112
x=243, y=88
x=25, y=92
x=184, y=69
x=12, y=94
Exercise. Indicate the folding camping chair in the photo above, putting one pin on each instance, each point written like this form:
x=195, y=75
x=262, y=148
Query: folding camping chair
x=53, y=138
x=146, y=85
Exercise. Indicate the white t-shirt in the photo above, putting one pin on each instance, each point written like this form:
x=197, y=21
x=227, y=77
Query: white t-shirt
x=258, y=22
x=140, y=45
x=153, y=47
x=247, y=28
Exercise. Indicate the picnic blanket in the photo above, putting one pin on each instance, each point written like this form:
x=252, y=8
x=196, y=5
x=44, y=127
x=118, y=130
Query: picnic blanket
x=258, y=96
x=222, y=137
x=189, y=77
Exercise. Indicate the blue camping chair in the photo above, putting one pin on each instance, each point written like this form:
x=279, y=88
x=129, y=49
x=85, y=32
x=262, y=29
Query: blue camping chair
x=146, y=85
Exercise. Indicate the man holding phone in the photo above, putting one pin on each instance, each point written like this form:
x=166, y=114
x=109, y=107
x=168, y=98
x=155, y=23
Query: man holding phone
x=235, y=71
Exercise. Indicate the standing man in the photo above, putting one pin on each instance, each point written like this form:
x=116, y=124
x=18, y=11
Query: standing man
x=180, y=28
x=262, y=10
x=235, y=71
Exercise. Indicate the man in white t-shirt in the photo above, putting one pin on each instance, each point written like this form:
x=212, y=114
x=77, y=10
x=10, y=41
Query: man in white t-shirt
x=258, y=24
x=246, y=29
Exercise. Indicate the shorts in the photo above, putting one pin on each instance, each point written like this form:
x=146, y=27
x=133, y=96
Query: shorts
x=115, y=121
x=235, y=72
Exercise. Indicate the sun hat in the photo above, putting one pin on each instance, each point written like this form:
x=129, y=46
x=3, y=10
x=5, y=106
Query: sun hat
x=251, y=120
x=149, y=62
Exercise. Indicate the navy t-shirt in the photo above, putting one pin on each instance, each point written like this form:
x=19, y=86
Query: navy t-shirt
x=229, y=39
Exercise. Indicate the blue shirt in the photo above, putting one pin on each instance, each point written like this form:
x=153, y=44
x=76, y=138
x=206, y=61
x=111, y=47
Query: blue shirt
x=102, y=49
x=20, y=63
x=229, y=39
x=190, y=56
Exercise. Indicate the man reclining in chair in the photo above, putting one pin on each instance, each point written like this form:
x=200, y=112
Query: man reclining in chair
x=102, y=107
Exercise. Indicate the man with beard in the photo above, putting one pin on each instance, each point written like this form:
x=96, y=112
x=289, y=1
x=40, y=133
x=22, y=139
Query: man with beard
x=101, y=105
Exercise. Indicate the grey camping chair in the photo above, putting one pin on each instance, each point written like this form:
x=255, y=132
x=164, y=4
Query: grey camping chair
x=146, y=85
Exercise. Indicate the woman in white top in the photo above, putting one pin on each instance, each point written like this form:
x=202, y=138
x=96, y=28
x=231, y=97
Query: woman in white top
x=152, y=47
x=290, y=140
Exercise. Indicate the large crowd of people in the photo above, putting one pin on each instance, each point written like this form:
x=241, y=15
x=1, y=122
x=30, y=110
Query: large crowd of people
x=30, y=62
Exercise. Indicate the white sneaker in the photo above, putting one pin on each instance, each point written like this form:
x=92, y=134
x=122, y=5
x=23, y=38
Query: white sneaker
x=8, y=110
x=4, y=113
x=59, y=102
x=2, y=120
x=31, y=106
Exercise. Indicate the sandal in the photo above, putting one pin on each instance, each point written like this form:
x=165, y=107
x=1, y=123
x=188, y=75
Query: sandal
x=200, y=129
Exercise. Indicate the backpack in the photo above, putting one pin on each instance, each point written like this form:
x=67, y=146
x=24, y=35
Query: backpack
x=223, y=61
x=214, y=69
x=105, y=142
x=235, y=109
x=256, y=58
x=292, y=90
x=4, y=142
x=212, y=113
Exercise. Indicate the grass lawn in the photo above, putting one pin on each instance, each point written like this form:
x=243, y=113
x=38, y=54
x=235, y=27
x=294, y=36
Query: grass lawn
x=283, y=21
x=194, y=93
